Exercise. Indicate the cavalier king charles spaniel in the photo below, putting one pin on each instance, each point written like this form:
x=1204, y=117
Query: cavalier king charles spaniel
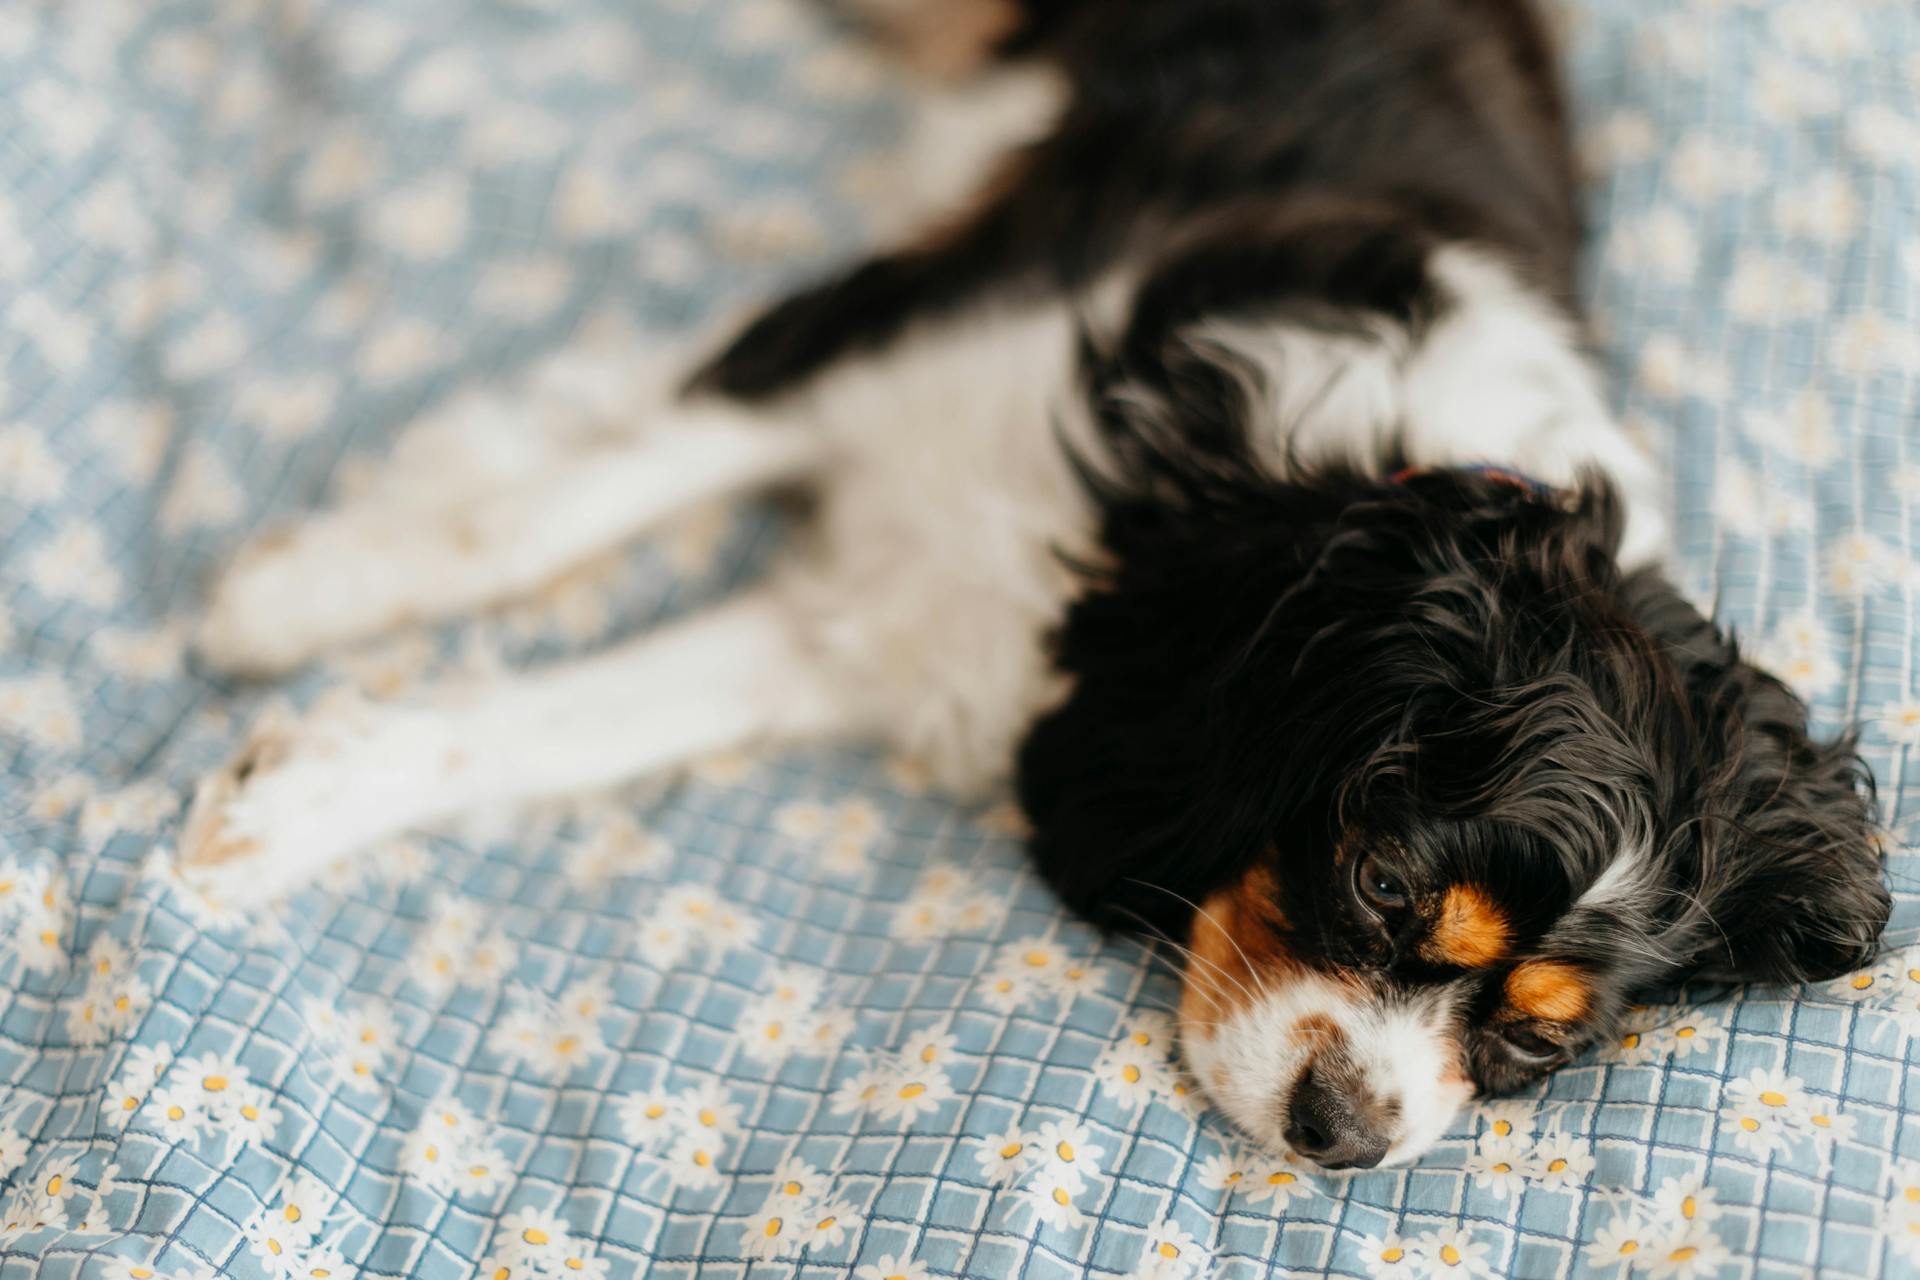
x=1220, y=460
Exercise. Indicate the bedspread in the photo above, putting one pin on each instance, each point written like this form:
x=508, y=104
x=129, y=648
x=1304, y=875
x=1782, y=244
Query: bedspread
x=799, y=1014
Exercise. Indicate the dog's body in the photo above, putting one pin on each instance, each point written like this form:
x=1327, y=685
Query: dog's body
x=1163, y=458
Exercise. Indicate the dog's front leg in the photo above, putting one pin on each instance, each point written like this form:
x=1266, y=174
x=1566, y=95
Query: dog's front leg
x=347, y=775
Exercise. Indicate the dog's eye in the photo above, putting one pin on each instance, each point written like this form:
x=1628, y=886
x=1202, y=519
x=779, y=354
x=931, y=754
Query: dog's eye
x=1382, y=890
x=1527, y=1044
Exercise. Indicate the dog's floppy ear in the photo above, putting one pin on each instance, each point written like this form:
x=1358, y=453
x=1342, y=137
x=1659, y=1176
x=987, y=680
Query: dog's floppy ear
x=1778, y=845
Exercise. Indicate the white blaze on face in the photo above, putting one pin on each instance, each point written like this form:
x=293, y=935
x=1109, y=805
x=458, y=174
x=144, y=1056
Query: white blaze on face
x=1402, y=1050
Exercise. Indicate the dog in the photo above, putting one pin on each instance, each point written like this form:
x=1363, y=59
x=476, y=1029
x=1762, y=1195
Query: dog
x=1228, y=468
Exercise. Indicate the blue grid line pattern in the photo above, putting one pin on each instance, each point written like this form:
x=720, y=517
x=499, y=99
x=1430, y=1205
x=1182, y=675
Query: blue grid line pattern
x=243, y=245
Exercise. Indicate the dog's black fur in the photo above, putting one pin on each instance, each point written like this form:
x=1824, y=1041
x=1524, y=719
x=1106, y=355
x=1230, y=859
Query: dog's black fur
x=1450, y=671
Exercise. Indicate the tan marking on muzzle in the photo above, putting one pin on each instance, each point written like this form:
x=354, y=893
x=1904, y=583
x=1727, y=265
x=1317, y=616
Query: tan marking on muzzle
x=1549, y=989
x=1236, y=950
x=1470, y=932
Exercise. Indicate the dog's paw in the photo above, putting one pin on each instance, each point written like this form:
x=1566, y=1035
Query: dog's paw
x=287, y=805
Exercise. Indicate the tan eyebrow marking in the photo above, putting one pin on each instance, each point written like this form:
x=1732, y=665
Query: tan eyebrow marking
x=1550, y=990
x=1471, y=931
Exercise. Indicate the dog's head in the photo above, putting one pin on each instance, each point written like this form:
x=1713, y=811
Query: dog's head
x=1428, y=788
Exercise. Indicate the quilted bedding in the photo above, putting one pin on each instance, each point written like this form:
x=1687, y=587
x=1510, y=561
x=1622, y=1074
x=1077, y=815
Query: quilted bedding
x=798, y=1014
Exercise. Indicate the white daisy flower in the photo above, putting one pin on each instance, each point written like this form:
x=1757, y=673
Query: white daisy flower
x=1173, y=1254
x=829, y=1224
x=537, y=1238
x=648, y=1117
x=893, y=1267
x=482, y=1170
x=771, y=1032
x=1129, y=1074
x=1004, y=991
x=1562, y=1160
x=1453, y=1254
x=796, y=1181
x=179, y=1110
x=1695, y=1252
x=1627, y=1239
x=1066, y=1151
x=578, y=1264
x=860, y=1090
x=1681, y=1202
x=779, y=1230
x=249, y=1116
x=322, y=1262
x=1227, y=1170
x=912, y=1093
x=1829, y=1126
x=927, y=1048
x=1389, y=1257
x=1004, y=1157
x=14, y=1149
x=1763, y=1110
x=795, y=988
x=1513, y=1120
x=831, y=1029
x=693, y=1161
x=708, y=1108
x=1498, y=1172
x=1275, y=1182
x=1051, y=1200
x=53, y=1180
x=275, y=1244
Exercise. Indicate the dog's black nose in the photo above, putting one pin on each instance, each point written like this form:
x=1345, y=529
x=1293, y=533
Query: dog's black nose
x=1328, y=1125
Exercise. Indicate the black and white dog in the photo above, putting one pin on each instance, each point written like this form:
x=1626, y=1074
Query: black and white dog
x=1227, y=467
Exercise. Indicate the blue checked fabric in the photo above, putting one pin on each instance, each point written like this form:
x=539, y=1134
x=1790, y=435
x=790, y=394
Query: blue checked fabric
x=799, y=1014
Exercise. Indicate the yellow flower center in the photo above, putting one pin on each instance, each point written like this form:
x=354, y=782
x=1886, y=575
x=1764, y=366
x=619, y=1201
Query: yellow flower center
x=1130, y=1073
x=1632, y=1041
x=477, y=1171
x=1167, y=1250
x=1503, y=1167
x=655, y=1111
x=1449, y=1255
x=54, y=1184
x=176, y=1112
x=825, y=1224
x=1749, y=1124
x=707, y=1117
x=1280, y=1179
x=1689, y=1207
x=1392, y=1255
x=122, y=1003
x=576, y=1264
x=1824, y=1122
x=791, y=1189
x=432, y=1152
x=774, y=1226
x=1683, y=1253
x=140, y=1273
x=1065, y=1151
x=250, y=1111
x=1913, y=1195
x=702, y=1159
x=1036, y=959
x=1235, y=1176
x=273, y=1246
x=1629, y=1247
x=1684, y=1033
x=1011, y=1150
x=1142, y=1038
x=913, y=1090
x=929, y=1053
x=568, y=1044
x=214, y=1084
x=292, y=1213
x=1060, y=1195
x=367, y=1035
x=1558, y=1165
x=1502, y=1127
x=535, y=1236
x=1774, y=1098
x=129, y=1103
x=1861, y=981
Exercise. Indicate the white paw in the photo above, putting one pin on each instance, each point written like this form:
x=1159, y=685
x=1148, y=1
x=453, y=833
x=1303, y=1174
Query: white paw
x=295, y=799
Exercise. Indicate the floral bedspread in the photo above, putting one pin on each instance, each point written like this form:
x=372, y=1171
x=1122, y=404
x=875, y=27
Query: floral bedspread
x=799, y=1014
